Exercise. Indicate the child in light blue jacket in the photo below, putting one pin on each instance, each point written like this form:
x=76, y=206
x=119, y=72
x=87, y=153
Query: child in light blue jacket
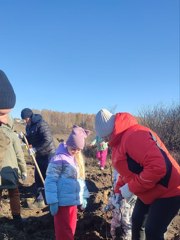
x=65, y=186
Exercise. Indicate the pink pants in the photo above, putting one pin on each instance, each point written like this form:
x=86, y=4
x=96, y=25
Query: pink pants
x=65, y=223
x=101, y=156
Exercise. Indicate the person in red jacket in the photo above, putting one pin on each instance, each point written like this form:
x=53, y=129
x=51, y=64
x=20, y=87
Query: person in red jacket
x=146, y=169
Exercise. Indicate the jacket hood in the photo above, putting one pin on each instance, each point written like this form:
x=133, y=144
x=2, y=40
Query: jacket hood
x=62, y=149
x=61, y=154
x=123, y=121
x=36, y=118
x=10, y=123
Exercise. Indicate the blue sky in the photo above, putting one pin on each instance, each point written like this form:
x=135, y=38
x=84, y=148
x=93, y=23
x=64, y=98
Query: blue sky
x=82, y=55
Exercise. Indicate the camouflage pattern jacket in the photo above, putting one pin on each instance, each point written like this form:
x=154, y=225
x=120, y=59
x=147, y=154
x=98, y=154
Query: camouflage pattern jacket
x=12, y=160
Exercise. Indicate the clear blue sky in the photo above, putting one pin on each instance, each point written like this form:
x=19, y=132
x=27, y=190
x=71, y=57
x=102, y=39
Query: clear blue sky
x=82, y=55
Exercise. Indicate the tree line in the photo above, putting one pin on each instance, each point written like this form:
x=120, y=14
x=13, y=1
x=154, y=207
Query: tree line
x=165, y=121
x=62, y=122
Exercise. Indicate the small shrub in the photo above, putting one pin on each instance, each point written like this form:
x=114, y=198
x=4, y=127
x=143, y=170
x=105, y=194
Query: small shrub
x=166, y=123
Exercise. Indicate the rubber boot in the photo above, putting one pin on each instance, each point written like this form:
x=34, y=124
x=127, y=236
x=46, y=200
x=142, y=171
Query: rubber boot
x=18, y=222
x=40, y=198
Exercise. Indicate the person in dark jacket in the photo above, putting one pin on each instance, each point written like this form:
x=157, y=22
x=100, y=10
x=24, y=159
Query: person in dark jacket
x=146, y=169
x=39, y=137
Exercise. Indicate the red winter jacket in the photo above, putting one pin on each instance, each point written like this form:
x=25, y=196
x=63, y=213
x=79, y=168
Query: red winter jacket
x=143, y=161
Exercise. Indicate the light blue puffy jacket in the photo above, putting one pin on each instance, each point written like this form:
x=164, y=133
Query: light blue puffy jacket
x=61, y=183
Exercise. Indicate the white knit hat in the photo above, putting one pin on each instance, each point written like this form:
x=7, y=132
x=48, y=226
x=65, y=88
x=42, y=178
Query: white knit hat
x=104, y=123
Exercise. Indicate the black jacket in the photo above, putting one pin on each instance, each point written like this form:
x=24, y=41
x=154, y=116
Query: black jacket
x=39, y=135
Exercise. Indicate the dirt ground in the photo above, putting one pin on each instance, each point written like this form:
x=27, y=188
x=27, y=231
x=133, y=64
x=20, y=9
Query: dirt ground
x=92, y=223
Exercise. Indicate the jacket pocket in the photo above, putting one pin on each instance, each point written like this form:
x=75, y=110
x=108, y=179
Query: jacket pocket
x=9, y=176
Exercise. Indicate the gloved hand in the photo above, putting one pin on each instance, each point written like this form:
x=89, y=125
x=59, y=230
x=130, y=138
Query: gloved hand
x=23, y=176
x=21, y=135
x=126, y=193
x=84, y=204
x=31, y=151
x=54, y=208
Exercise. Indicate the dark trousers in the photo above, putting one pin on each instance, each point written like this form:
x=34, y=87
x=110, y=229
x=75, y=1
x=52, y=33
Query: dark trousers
x=150, y=222
x=42, y=162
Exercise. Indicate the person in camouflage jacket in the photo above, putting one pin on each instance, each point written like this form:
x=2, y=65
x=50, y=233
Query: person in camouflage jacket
x=13, y=168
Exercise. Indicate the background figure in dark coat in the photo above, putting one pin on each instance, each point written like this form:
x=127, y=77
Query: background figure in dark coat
x=39, y=137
